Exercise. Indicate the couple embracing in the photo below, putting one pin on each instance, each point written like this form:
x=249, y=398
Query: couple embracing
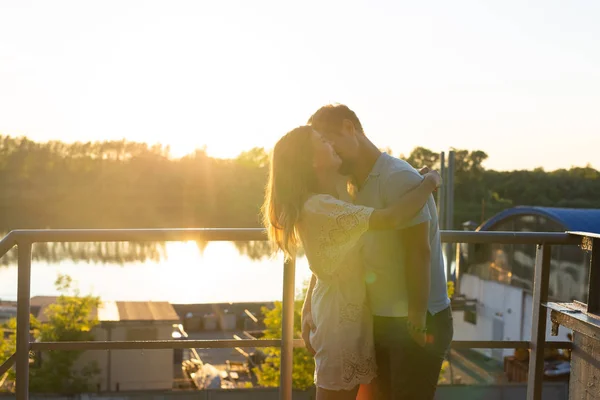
x=376, y=313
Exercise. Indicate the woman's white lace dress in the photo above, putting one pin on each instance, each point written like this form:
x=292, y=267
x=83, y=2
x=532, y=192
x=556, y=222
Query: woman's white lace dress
x=330, y=231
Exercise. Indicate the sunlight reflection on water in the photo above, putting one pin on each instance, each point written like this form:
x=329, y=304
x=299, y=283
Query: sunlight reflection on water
x=189, y=273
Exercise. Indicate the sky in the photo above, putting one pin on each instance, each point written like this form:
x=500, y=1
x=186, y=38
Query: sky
x=519, y=80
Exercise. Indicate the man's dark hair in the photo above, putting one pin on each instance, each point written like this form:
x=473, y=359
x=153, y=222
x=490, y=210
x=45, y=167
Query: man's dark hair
x=329, y=118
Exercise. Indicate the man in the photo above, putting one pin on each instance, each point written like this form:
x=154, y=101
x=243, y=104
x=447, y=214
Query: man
x=405, y=276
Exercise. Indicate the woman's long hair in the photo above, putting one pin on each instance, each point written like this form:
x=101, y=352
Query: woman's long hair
x=292, y=179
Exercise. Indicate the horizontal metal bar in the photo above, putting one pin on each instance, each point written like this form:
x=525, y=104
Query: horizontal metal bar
x=245, y=343
x=509, y=237
x=505, y=344
x=139, y=235
x=7, y=243
x=585, y=234
x=258, y=234
x=161, y=344
x=6, y=365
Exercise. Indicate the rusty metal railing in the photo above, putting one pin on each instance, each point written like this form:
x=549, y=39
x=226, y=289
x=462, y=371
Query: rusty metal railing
x=24, y=239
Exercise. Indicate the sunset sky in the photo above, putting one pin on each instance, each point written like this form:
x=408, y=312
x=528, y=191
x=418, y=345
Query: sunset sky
x=519, y=80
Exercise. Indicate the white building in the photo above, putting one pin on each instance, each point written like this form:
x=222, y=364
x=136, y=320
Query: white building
x=125, y=370
x=497, y=280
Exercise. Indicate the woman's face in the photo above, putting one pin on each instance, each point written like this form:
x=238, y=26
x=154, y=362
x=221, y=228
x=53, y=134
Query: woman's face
x=325, y=159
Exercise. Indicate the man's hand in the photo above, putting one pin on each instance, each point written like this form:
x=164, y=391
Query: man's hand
x=424, y=170
x=417, y=329
x=307, y=327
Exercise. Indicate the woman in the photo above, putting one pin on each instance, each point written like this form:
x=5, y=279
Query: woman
x=302, y=207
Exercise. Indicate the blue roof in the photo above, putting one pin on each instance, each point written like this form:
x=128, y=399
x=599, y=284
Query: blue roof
x=573, y=219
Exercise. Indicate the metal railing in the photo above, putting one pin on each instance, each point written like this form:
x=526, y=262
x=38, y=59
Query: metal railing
x=24, y=239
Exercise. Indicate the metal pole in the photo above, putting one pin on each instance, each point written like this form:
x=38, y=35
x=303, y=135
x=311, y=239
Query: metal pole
x=23, y=311
x=449, y=208
x=535, y=379
x=287, y=330
x=109, y=360
x=457, y=271
x=449, y=214
x=440, y=192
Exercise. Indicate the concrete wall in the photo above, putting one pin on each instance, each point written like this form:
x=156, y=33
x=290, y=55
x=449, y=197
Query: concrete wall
x=132, y=369
x=552, y=391
x=503, y=313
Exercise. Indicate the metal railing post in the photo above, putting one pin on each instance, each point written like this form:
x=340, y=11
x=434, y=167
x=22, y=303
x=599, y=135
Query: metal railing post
x=287, y=330
x=23, y=311
x=449, y=208
x=541, y=281
x=441, y=197
x=457, y=270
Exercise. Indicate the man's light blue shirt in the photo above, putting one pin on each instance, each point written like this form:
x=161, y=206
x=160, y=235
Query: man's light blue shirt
x=383, y=253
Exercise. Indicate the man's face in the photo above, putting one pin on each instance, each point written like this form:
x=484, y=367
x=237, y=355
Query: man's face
x=345, y=143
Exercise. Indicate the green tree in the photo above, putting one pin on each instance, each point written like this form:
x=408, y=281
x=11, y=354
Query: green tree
x=121, y=184
x=422, y=157
x=8, y=347
x=304, y=366
x=69, y=319
x=303, y=362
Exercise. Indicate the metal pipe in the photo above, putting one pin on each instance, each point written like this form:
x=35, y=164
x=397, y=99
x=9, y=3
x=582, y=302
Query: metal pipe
x=109, y=329
x=541, y=280
x=160, y=344
x=449, y=192
x=7, y=364
x=457, y=270
x=252, y=234
x=441, y=197
x=23, y=311
x=7, y=243
x=287, y=330
x=246, y=343
x=449, y=209
x=500, y=237
x=139, y=235
x=505, y=344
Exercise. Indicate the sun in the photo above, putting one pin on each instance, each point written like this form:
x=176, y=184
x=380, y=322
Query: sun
x=226, y=146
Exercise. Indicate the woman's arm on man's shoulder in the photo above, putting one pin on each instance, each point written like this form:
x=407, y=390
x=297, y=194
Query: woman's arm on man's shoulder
x=413, y=193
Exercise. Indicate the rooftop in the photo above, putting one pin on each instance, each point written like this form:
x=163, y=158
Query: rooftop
x=115, y=310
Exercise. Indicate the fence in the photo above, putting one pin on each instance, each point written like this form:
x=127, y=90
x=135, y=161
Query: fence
x=24, y=239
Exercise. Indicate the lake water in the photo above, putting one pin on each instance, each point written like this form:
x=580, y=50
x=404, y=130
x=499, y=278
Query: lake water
x=185, y=272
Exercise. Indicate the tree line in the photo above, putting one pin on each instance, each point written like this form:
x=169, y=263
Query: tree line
x=122, y=184
x=480, y=193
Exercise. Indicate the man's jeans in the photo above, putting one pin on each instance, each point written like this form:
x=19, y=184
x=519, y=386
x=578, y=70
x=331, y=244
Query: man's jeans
x=405, y=369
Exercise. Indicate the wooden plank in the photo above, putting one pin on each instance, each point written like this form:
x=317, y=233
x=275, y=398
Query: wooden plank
x=577, y=322
x=584, y=380
x=594, y=282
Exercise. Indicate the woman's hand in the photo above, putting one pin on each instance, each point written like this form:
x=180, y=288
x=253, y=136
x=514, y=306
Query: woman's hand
x=307, y=327
x=433, y=177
